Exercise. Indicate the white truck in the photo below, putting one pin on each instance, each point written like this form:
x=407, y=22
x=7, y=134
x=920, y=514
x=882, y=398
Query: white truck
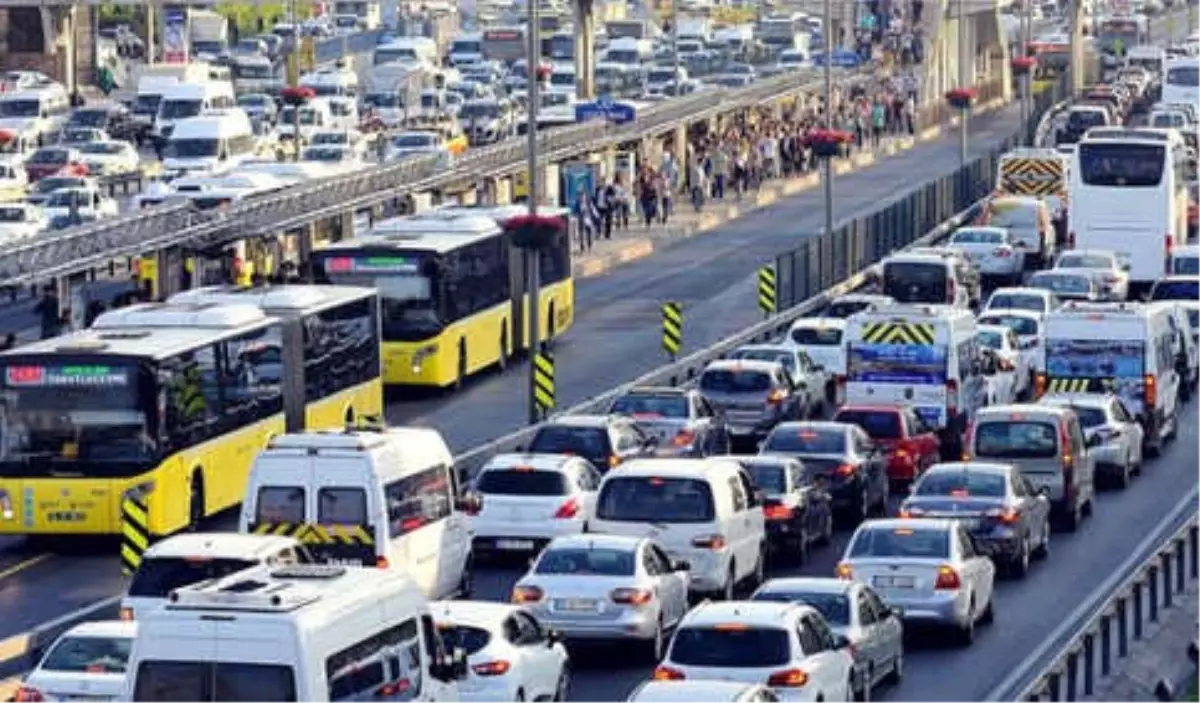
x=209, y=33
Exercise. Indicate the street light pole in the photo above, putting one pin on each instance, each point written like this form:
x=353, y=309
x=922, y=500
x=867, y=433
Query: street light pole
x=1027, y=78
x=675, y=41
x=533, y=255
x=963, y=83
x=827, y=73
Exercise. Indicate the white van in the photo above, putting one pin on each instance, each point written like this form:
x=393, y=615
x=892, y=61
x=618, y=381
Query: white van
x=179, y=102
x=185, y=559
x=703, y=511
x=210, y=144
x=384, y=498
x=924, y=356
x=37, y=112
x=298, y=633
x=313, y=117
x=1127, y=349
x=327, y=81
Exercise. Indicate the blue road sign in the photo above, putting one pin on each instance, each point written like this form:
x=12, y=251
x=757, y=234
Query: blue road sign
x=605, y=108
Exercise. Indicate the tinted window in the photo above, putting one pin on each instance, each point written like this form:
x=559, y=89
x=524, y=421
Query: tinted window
x=915, y=282
x=418, y=500
x=1185, y=265
x=1014, y=215
x=785, y=357
x=1060, y=283
x=359, y=669
x=822, y=337
x=469, y=639
x=1090, y=417
x=591, y=562
x=279, y=504
x=1017, y=301
x=652, y=405
x=1084, y=261
x=93, y=655
x=213, y=681
x=1109, y=164
x=877, y=424
x=158, y=576
x=970, y=483
x=342, y=506
x=977, y=236
x=1017, y=439
x=522, y=482
x=990, y=339
x=341, y=348
x=723, y=381
x=901, y=542
x=1082, y=120
x=646, y=499
x=736, y=647
x=589, y=442
x=834, y=606
x=1175, y=290
x=768, y=478
x=807, y=441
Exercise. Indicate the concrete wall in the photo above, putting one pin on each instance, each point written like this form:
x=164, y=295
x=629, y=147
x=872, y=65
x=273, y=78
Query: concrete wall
x=52, y=60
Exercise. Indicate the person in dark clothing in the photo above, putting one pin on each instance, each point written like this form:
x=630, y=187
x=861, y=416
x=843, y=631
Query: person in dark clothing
x=47, y=310
x=94, y=309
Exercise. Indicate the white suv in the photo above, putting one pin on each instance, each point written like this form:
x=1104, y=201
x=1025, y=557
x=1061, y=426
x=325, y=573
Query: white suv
x=787, y=646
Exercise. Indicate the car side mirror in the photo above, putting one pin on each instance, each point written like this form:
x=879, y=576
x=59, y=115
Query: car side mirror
x=1094, y=441
x=469, y=504
x=841, y=642
x=681, y=565
x=553, y=637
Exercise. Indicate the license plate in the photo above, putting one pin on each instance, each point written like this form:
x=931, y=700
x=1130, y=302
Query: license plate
x=578, y=605
x=514, y=545
x=894, y=581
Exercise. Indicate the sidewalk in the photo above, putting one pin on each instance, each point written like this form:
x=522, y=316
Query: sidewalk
x=638, y=242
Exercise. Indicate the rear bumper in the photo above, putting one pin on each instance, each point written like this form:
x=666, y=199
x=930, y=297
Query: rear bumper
x=938, y=609
x=999, y=545
x=632, y=625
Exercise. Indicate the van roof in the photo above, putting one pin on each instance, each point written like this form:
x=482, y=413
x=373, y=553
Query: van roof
x=760, y=365
x=226, y=545
x=419, y=446
x=232, y=122
x=671, y=467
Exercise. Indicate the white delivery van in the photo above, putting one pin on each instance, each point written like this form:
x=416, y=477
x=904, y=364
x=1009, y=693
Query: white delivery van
x=296, y=633
x=385, y=497
x=209, y=145
x=185, y=100
x=37, y=112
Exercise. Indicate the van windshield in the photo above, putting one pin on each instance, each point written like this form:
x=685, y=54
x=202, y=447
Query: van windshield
x=652, y=499
x=1017, y=439
x=178, y=109
x=192, y=148
x=158, y=576
x=213, y=681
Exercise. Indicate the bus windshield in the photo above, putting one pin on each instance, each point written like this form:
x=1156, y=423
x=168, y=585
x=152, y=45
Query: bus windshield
x=69, y=412
x=1112, y=164
x=410, y=310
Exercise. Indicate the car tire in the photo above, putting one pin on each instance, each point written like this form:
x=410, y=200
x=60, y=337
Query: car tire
x=656, y=648
x=896, y=675
x=1018, y=566
x=729, y=590
x=562, y=690
x=1072, y=519
x=1043, y=549
x=1125, y=475
x=965, y=635
x=863, y=693
x=756, y=577
x=988, y=616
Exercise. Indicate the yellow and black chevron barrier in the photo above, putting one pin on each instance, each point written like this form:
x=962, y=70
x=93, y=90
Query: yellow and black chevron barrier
x=1039, y=177
x=766, y=290
x=1081, y=385
x=672, y=328
x=921, y=333
x=135, y=531
x=543, y=381
x=312, y=533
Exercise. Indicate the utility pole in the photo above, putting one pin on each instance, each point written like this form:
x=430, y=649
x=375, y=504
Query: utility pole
x=675, y=42
x=1027, y=79
x=827, y=73
x=533, y=255
x=963, y=82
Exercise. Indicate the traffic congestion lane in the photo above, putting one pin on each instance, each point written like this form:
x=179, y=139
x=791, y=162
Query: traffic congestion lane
x=1027, y=611
x=616, y=334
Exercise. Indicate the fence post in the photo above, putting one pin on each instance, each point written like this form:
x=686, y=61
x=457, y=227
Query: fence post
x=135, y=528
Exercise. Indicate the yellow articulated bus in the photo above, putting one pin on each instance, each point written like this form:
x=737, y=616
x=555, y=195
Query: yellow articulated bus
x=175, y=399
x=451, y=284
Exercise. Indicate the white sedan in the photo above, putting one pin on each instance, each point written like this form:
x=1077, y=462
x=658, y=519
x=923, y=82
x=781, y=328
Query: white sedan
x=991, y=250
x=1110, y=273
x=510, y=656
x=1113, y=436
x=88, y=202
x=87, y=663
x=1031, y=335
x=1004, y=342
x=107, y=158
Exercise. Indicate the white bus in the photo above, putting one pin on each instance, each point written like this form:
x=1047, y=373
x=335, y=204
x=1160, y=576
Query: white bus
x=1181, y=82
x=1129, y=195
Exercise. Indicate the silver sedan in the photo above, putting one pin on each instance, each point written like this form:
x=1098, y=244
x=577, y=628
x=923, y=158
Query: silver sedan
x=607, y=587
x=1113, y=437
x=856, y=612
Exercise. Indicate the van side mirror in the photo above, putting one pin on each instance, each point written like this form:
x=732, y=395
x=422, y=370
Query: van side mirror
x=1094, y=441
x=841, y=642
x=681, y=565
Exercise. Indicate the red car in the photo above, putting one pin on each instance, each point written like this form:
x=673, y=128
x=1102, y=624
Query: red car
x=910, y=444
x=50, y=160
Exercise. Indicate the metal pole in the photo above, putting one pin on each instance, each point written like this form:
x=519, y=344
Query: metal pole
x=533, y=256
x=827, y=75
x=1027, y=79
x=675, y=41
x=965, y=113
x=294, y=76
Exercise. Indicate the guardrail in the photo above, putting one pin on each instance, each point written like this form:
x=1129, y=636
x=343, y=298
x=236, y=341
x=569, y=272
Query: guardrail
x=1072, y=659
x=80, y=248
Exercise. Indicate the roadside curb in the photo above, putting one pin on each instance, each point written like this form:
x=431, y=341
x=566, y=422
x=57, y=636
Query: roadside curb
x=644, y=247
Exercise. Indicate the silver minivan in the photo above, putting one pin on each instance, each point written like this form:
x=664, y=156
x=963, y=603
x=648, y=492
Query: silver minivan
x=1047, y=444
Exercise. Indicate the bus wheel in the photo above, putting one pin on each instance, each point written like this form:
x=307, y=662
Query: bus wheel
x=502, y=359
x=196, y=501
x=462, y=366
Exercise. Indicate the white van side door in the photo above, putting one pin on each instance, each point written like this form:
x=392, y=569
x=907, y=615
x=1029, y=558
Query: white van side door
x=734, y=522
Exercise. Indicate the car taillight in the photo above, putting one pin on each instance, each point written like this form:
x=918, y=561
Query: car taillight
x=952, y=395
x=777, y=512
x=1150, y=390
x=845, y=572
x=776, y=397
x=685, y=438
x=126, y=614
x=613, y=460
x=667, y=673
x=567, y=510
x=713, y=542
x=789, y=678
x=841, y=379
x=947, y=579
x=381, y=562
x=527, y=594
x=499, y=667
x=631, y=596
x=26, y=694
x=1002, y=253
x=950, y=290
x=400, y=687
x=846, y=470
x=1008, y=516
x=906, y=511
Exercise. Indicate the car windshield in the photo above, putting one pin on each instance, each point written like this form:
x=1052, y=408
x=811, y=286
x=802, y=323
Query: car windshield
x=471, y=640
x=817, y=336
x=981, y=484
x=413, y=140
x=521, y=482
x=879, y=424
x=735, y=646
x=835, y=607
x=53, y=183
x=480, y=111
x=788, y=440
x=728, y=381
x=14, y=214
x=1017, y=301
x=105, y=148
x=89, y=118
x=586, y=562
x=1060, y=283
x=68, y=198
x=20, y=108
x=1084, y=261
x=1016, y=439
x=1090, y=418
x=990, y=339
x=977, y=236
x=903, y=542
x=158, y=576
x=655, y=500
x=50, y=156
x=335, y=138
x=645, y=405
x=1175, y=290
x=589, y=442
x=90, y=655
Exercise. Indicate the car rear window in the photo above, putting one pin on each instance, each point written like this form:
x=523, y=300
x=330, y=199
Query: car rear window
x=1018, y=215
x=785, y=357
x=638, y=404
x=1083, y=261
x=471, y=640
x=1060, y=283
x=735, y=646
x=786, y=440
x=1185, y=265
x=1016, y=439
x=1016, y=301
x=834, y=606
x=1175, y=290
x=1023, y=326
x=591, y=562
x=158, y=576
x=817, y=337
x=724, y=381
x=977, y=236
x=769, y=478
x=652, y=499
x=1090, y=417
x=92, y=655
x=588, y=442
x=845, y=308
x=968, y=483
x=520, y=482
x=901, y=542
x=279, y=504
x=879, y=424
x=915, y=282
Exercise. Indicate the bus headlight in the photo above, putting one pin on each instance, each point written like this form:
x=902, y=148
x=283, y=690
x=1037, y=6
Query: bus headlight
x=420, y=355
x=6, y=506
